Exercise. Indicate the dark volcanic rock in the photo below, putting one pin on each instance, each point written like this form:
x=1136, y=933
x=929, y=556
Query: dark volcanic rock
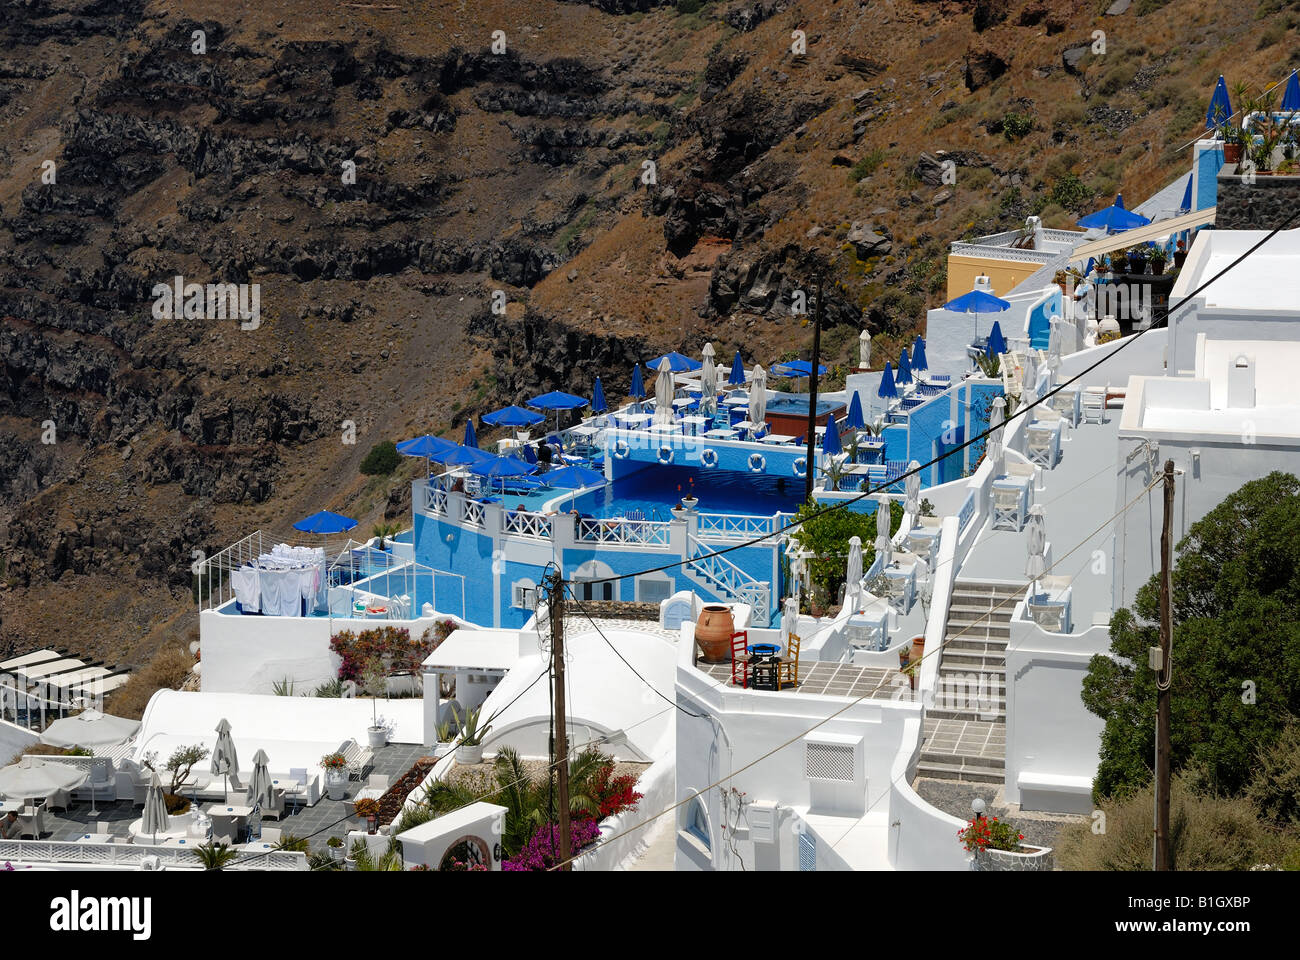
x=982, y=68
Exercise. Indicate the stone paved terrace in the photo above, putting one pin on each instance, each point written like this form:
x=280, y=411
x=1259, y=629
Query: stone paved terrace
x=831, y=679
x=392, y=761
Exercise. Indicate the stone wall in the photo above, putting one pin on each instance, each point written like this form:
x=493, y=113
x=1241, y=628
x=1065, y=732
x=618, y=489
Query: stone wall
x=1263, y=204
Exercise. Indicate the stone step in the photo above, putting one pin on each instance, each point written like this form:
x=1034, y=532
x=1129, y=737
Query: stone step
x=973, y=660
x=943, y=770
x=970, y=683
x=993, y=645
x=970, y=613
x=977, y=621
x=976, y=588
x=997, y=711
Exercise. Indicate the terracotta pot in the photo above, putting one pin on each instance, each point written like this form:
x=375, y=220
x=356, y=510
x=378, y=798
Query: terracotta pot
x=713, y=633
x=1232, y=153
x=918, y=649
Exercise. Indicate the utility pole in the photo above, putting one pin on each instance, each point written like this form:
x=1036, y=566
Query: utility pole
x=561, y=738
x=1162, y=674
x=809, y=471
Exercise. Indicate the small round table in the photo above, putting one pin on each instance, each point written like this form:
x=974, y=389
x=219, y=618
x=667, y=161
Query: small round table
x=763, y=663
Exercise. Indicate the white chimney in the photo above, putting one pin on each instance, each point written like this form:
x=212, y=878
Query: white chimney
x=1241, y=382
x=984, y=283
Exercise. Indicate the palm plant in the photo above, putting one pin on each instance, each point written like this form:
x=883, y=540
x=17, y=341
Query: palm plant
x=990, y=365
x=292, y=844
x=283, y=687
x=365, y=860
x=471, y=734
x=215, y=856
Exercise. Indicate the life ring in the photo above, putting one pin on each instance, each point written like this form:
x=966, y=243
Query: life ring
x=708, y=457
x=757, y=463
x=800, y=467
x=621, y=449
x=665, y=454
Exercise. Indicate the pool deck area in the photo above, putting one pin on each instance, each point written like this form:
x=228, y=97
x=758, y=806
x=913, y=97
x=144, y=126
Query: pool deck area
x=1079, y=498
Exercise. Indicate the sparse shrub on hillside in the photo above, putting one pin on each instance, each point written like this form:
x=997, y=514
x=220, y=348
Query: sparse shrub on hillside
x=1143, y=7
x=1071, y=116
x=382, y=459
x=1070, y=192
x=1016, y=125
x=1275, y=787
x=867, y=165
x=168, y=669
x=1273, y=35
x=1117, y=77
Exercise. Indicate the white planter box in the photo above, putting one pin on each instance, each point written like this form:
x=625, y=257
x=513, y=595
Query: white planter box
x=1029, y=858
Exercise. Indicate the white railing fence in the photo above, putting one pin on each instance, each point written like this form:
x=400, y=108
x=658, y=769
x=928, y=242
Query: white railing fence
x=535, y=526
x=129, y=855
x=627, y=532
x=727, y=526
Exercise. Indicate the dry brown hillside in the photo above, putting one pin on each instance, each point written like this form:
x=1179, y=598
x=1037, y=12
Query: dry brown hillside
x=476, y=171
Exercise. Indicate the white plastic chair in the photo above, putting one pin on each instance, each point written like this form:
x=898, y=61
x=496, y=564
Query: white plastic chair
x=1008, y=508
x=1093, y=403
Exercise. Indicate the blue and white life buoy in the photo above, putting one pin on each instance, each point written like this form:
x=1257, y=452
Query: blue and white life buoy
x=621, y=449
x=665, y=454
x=800, y=467
x=708, y=457
x=757, y=463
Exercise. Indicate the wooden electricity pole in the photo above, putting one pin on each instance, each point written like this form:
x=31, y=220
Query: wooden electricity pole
x=561, y=758
x=1162, y=674
x=810, y=458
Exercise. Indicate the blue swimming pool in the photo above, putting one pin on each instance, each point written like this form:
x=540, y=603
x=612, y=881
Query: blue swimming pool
x=654, y=490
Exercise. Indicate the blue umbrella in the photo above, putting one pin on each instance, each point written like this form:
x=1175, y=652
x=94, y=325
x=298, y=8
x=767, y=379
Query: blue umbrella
x=637, y=390
x=1114, y=218
x=571, y=478
x=1291, y=98
x=598, y=404
x=676, y=363
x=463, y=456
x=324, y=522
x=1220, y=108
x=1186, y=205
x=887, y=388
x=918, y=355
x=512, y=416
x=977, y=301
x=501, y=467
x=1092, y=265
x=855, y=413
x=557, y=400
x=831, y=438
x=904, y=368
x=997, y=342
x=797, y=368
x=736, y=378
x=427, y=446
x=471, y=439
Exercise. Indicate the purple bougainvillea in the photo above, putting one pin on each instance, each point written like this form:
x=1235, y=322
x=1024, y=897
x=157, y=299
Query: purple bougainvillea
x=539, y=853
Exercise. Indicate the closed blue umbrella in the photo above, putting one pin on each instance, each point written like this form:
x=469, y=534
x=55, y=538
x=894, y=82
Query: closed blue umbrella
x=1114, y=218
x=598, y=404
x=571, y=478
x=918, y=355
x=855, y=413
x=1186, y=205
x=887, y=388
x=736, y=378
x=513, y=416
x=1220, y=108
x=324, y=522
x=677, y=363
x=831, y=439
x=997, y=343
x=904, y=367
x=1291, y=98
x=471, y=439
x=637, y=390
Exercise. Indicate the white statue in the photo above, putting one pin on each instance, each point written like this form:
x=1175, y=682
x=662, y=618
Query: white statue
x=864, y=351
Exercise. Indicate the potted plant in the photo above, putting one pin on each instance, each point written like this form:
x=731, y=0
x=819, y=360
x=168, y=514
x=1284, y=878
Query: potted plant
x=470, y=749
x=1234, y=141
x=374, y=679
x=368, y=810
x=1137, y=259
x=443, y=746
x=335, y=847
x=335, y=766
x=989, y=833
x=1180, y=255
x=1158, y=260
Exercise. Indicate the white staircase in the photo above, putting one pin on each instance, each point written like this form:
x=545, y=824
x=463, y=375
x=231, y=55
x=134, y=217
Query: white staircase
x=723, y=579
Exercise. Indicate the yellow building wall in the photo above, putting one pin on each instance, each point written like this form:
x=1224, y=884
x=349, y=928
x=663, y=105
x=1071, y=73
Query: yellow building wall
x=1004, y=274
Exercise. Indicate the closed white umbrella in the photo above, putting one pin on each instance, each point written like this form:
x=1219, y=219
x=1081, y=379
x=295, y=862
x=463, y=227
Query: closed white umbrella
x=884, y=547
x=708, y=384
x=993, y=449
x=88, y=730
x=864, y=351
x=1036, y=537
x=1029, y=379
x=33, y=777
x=758, y=398
x=664, y=391
x=1054, y=345
x=789, y=621
x=260, y=790
x=912, y=487
x=154, y=820
x=224, y=759
x=853, y=573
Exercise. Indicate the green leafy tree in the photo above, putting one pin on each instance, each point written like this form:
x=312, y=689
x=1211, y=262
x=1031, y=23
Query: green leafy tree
x=826, y=536
x=1236, y=648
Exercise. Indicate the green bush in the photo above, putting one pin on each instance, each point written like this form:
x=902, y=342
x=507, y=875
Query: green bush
x=1275, y=787
x=1016, y=125
x=689, y=6
x=1070, y=192
x=382, y=459
x=867, y=165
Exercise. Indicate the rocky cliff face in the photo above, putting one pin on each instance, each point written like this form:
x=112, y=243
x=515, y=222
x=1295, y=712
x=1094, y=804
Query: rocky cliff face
x=625, y=176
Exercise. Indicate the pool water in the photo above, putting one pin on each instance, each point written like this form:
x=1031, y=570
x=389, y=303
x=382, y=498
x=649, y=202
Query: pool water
x=798, y=405
x=655, y=490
